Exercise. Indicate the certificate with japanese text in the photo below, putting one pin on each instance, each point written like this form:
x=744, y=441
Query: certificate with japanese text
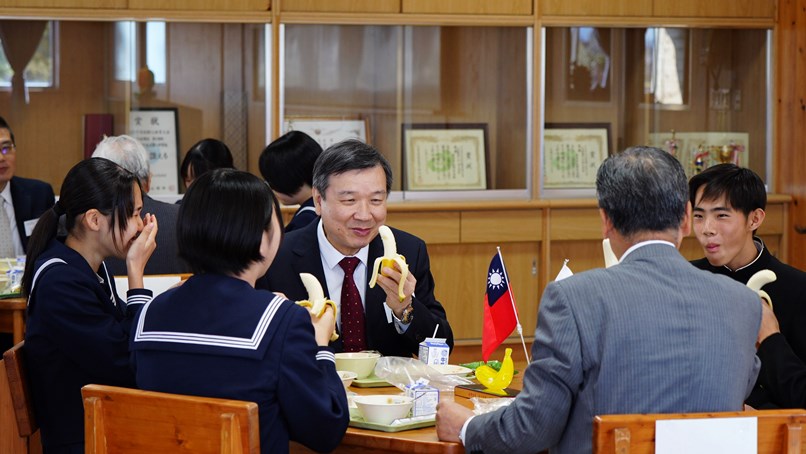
x=450, y=157
x=156, y=129
x=571, y=156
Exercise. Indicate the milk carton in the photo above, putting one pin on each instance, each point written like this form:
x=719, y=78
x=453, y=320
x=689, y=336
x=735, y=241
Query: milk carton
x=434, y=350
x=425, y=397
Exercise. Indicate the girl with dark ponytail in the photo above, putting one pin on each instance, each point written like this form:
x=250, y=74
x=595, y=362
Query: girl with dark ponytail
x=78, y=327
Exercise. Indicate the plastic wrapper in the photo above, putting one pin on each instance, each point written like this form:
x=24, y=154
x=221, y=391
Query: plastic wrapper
x=483, y=405
x=405, y=371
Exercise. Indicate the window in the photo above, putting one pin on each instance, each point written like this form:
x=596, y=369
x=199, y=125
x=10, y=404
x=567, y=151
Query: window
x=41, y=68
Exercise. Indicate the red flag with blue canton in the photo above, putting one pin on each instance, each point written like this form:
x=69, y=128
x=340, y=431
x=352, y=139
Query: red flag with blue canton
x=499, y=309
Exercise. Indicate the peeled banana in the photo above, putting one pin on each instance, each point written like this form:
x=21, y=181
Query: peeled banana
x=496, y=381
x=390, y=257
x=316, y=302
x=760, y=279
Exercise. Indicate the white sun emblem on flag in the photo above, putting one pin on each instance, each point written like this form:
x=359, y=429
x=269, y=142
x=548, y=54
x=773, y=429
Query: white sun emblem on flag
x=495, y=280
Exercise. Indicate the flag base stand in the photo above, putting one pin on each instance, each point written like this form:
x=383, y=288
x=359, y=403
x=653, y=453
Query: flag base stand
x=469, y=391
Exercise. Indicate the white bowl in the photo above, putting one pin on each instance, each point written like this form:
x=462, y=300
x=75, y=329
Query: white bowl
x=347, y=377
x=383, y=409
x=362, y=363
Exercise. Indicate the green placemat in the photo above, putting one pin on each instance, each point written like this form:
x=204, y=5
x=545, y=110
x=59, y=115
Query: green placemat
x=10, y=295
x=357, y=421
x=370, y=382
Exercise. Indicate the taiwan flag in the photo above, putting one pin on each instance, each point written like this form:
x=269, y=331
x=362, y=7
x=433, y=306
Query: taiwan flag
x=499, y=309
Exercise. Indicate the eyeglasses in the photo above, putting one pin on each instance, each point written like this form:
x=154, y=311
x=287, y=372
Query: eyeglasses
x=7, y=148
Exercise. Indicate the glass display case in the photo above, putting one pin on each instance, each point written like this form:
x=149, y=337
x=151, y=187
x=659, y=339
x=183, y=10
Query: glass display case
x=449, y=106
x=702, y=94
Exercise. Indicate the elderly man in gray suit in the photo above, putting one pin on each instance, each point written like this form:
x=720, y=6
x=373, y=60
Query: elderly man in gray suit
x=652, y=334
x=129, y=153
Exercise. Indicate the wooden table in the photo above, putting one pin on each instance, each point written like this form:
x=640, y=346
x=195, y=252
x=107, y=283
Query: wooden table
x=407, y=441
x=12, y=317
x=418, y=441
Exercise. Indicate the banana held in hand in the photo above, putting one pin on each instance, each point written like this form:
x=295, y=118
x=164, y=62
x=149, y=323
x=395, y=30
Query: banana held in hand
x=390, y=257
x=497, y=380
x=316, y=302
x=760, y=279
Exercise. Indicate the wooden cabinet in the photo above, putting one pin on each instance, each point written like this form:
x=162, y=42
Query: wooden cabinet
x=95, y=4
x=341, y=6
x=596, y=8
x=201, y=5
x=506, y=7
x=744, y=9
x=716, y=8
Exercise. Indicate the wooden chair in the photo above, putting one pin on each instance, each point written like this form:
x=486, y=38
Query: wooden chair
x=779, y=431
x=14, y=360
x=135, y=421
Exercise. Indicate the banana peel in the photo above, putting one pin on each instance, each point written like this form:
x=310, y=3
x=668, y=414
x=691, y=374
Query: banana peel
x=495, y=381
x=389, y=259
x=316, y=302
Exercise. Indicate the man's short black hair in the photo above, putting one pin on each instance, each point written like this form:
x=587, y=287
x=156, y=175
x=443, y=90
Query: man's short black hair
x=287, y=163
x=742, y=188
x=345, y=156
x=222, y=220
x=4, y=125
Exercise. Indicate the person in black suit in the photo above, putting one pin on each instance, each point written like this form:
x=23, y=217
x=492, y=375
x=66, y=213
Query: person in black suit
x=30, y=198
x=287, y=164
x=130, y=154
x=351, y=183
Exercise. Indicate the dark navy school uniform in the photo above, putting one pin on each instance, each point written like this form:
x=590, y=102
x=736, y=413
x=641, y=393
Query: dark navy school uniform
x=77, y=333
x=305, y=214
x=216, y=336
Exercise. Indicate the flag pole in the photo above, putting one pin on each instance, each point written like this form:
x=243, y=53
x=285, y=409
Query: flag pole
x=514, y=308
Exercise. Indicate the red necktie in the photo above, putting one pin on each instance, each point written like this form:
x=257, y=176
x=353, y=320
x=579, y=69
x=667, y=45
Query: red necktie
x=353, y=331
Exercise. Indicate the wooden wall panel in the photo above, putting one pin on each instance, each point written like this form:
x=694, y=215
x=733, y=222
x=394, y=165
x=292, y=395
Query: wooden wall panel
x=790, y=115
x=595, y=7
x=460, y=273
x=205, y=5
x=342, y=6
x=468, y=6
x=575, y=224
x=433, y=228
x=493, y=226
x=716, y=8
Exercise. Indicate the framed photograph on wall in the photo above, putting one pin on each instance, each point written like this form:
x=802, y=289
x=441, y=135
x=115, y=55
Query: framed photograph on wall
x=444, y=156
x=329, y=130
x=158, y=130
x=572, y=153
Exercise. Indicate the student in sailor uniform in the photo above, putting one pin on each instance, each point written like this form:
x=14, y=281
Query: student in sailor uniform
x=217, y=336
x=78, y=328
x=287, y=164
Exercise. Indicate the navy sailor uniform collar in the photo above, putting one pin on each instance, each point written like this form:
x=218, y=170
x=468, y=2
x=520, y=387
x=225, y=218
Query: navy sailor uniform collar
x=211, y=314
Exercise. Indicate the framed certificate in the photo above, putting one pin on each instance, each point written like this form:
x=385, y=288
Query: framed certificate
x=440, y=156
x=572, y=153
x=328, y=130
x=157, y=129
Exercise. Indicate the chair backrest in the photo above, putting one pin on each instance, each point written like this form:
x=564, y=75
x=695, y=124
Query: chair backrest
x=135, y=421
x=14, y=359
x=779, y=431
x=157, y=283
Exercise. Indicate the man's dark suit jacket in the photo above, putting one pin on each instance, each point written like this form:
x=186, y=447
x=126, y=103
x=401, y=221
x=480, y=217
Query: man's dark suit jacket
x=31, y=199
x=165, y=259
x=299, y=253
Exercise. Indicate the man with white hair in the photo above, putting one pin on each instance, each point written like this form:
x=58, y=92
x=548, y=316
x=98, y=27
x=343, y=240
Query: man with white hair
x=129, y=153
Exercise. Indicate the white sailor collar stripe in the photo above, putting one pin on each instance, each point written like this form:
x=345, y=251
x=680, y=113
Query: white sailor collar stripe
x=251, y=343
